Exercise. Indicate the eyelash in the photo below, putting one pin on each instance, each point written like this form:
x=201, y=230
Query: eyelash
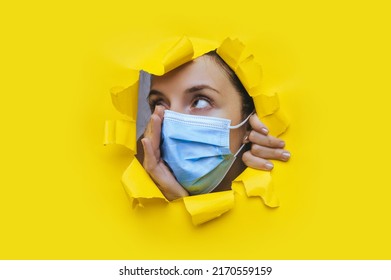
x=154, y=103
x=201, y=97
x=160, y=101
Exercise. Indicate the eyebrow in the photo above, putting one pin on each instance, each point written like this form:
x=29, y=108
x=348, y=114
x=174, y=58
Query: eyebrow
x=154, y=92
x=189, y=90
x=200, y=87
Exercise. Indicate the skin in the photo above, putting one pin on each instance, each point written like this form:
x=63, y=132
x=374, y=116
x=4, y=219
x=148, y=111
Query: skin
x=200, y=87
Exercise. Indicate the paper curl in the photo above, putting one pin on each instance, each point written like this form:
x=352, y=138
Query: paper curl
x=180, y=53
x=266, y=104
x=134, y=177
x=124, y=100
x=121, y=132
x=259, y=183
x=206, y=207
x=202, y=208
x=277, y=122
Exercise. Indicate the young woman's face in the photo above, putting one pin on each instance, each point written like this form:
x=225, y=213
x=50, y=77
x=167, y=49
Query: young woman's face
x=200, y=87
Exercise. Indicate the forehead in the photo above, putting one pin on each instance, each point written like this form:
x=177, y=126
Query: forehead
x=202, y=70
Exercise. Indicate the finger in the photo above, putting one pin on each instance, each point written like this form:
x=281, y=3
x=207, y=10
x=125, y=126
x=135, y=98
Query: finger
x=156, y=128
x=150, y=161
x=265, y=140
x=269, y=153
x=256, y=162
x=159, y=111
x=160, y=173
x=157, y=116
x=153, y=130
x=257, y=125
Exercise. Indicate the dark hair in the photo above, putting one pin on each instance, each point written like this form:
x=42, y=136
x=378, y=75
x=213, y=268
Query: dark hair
x=248, y=103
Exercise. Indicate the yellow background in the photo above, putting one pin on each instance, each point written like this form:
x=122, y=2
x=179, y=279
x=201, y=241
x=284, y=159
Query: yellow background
x=60, y=190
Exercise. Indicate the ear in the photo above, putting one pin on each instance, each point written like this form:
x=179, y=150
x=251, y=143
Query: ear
x=246, y=136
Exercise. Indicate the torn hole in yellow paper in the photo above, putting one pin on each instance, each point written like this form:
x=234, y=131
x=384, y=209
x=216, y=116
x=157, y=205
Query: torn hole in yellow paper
x=205, y=207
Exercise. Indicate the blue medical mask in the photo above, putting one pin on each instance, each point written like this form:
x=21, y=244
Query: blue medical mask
x=196, y=148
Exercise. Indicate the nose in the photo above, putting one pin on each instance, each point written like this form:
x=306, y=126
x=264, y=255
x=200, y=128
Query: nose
x=178, y=107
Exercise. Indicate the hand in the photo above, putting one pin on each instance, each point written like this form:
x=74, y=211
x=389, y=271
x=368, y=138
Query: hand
x=153, y=162
x=263, y=147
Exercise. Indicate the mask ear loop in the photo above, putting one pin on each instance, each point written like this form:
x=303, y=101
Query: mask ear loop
x=242, y=123
x=245, y=140
x=240, y=149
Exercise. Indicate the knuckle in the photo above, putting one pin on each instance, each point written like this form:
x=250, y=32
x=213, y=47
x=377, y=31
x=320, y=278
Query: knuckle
x=252, y=120
x=147, y=167
x=246, y=157
x=269, y=141
x=251, y=136
x=256, y=149
x=277, y=153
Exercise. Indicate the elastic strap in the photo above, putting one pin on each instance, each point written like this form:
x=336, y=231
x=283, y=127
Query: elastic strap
x=241, y=147
x=242, y=123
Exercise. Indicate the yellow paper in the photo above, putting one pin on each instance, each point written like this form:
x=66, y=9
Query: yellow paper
x=266, y=104
x=259, y=183
x=121, y=132
x=231, y=51
x=125, y=100
x=162, y=62
x=61, y=195
x=276, y=122
x=181, y=53
x=138, y=184
x=249, y=73
x=206, y=207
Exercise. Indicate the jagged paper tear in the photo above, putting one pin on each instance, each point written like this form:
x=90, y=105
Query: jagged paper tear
x=202, y=208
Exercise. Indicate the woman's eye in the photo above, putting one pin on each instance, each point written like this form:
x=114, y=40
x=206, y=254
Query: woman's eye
x=154, y=103
x=201, y=104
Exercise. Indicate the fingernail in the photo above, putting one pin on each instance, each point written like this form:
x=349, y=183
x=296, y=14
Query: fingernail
x=269, y=166
x=282, y=144
x=264, y=130
x=286, y=155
